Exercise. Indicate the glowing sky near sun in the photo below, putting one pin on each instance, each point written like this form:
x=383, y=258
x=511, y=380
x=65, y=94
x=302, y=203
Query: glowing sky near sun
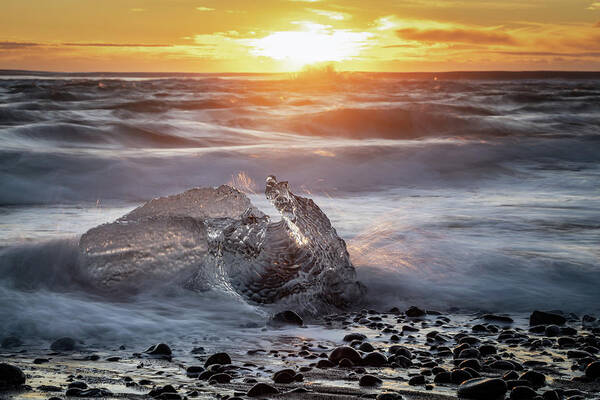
x=285, y=35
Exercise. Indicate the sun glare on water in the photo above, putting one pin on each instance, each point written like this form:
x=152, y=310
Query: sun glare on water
x=315, y=44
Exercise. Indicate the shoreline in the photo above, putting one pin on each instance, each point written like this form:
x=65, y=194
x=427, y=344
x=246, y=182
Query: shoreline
x=412, y=354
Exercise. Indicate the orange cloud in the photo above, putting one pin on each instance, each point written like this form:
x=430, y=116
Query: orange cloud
x=116, y=45
x=549, y=53
x=17, y=45
x=476, y=36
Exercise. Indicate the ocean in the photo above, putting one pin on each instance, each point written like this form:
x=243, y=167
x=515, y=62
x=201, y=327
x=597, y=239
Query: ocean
x=452, y=191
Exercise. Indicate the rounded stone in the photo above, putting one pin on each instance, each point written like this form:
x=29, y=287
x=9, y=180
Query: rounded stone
x=522, y=393
x=416, y=380
x=345, y=352
x=471, y=363
x=592, y=370
x=551, y=395
x=443, y=377
x=482, y=388
x=414, y=312
x=469, y=353
x=545, y=318
x=552, y=330
x=220, y=378
x=159, y=349
x=401, y=351
x=502, y=365
x=459, y=376
x=402, y=361
x=63, y=344
x=369, y=380
x=345, y=363
x=218, y=358
x=287, y=317
x=374, y=359
x=194, y=370
x=261, y=389
x=11, y=376
x=284, y=376
x=366, y=347
x=487, y=349
x=354, y=336
x=325, y=364
x=77, y=385
x=536, y=378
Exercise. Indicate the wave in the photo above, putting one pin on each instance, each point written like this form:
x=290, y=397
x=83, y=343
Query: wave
x=426, y=120
x=494, y=284
x=50, y=177
x=78, y=135
x=364, y=107
x=10, y=116
x=410, y=122
x=154, y=106
x=124, y=129
x=47, y=293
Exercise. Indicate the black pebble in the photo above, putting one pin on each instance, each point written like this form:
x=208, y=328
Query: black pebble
x=287, y=318
x=63, y=344
x=261, y=389
x=522, y=393
x=218, y=358
x=369, y=380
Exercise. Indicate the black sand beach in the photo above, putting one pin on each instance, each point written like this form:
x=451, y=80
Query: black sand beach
x=412, y=354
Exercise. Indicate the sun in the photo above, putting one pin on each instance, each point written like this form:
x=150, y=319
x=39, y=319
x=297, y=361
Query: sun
x=314, y=44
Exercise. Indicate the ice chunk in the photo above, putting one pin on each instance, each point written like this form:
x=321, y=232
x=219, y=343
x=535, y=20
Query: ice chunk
x=200, y=203
x=222, y=242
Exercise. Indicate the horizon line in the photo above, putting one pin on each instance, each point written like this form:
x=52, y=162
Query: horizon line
x=7, y=71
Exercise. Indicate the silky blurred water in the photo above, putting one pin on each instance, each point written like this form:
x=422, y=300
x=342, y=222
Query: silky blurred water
x=482, y=194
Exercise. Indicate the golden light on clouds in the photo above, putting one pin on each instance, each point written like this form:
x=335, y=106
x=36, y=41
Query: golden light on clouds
x=334, y=15
x=594, y=6
x=266, y=36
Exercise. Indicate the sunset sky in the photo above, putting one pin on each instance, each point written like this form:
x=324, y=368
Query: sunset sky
x=285, y=35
